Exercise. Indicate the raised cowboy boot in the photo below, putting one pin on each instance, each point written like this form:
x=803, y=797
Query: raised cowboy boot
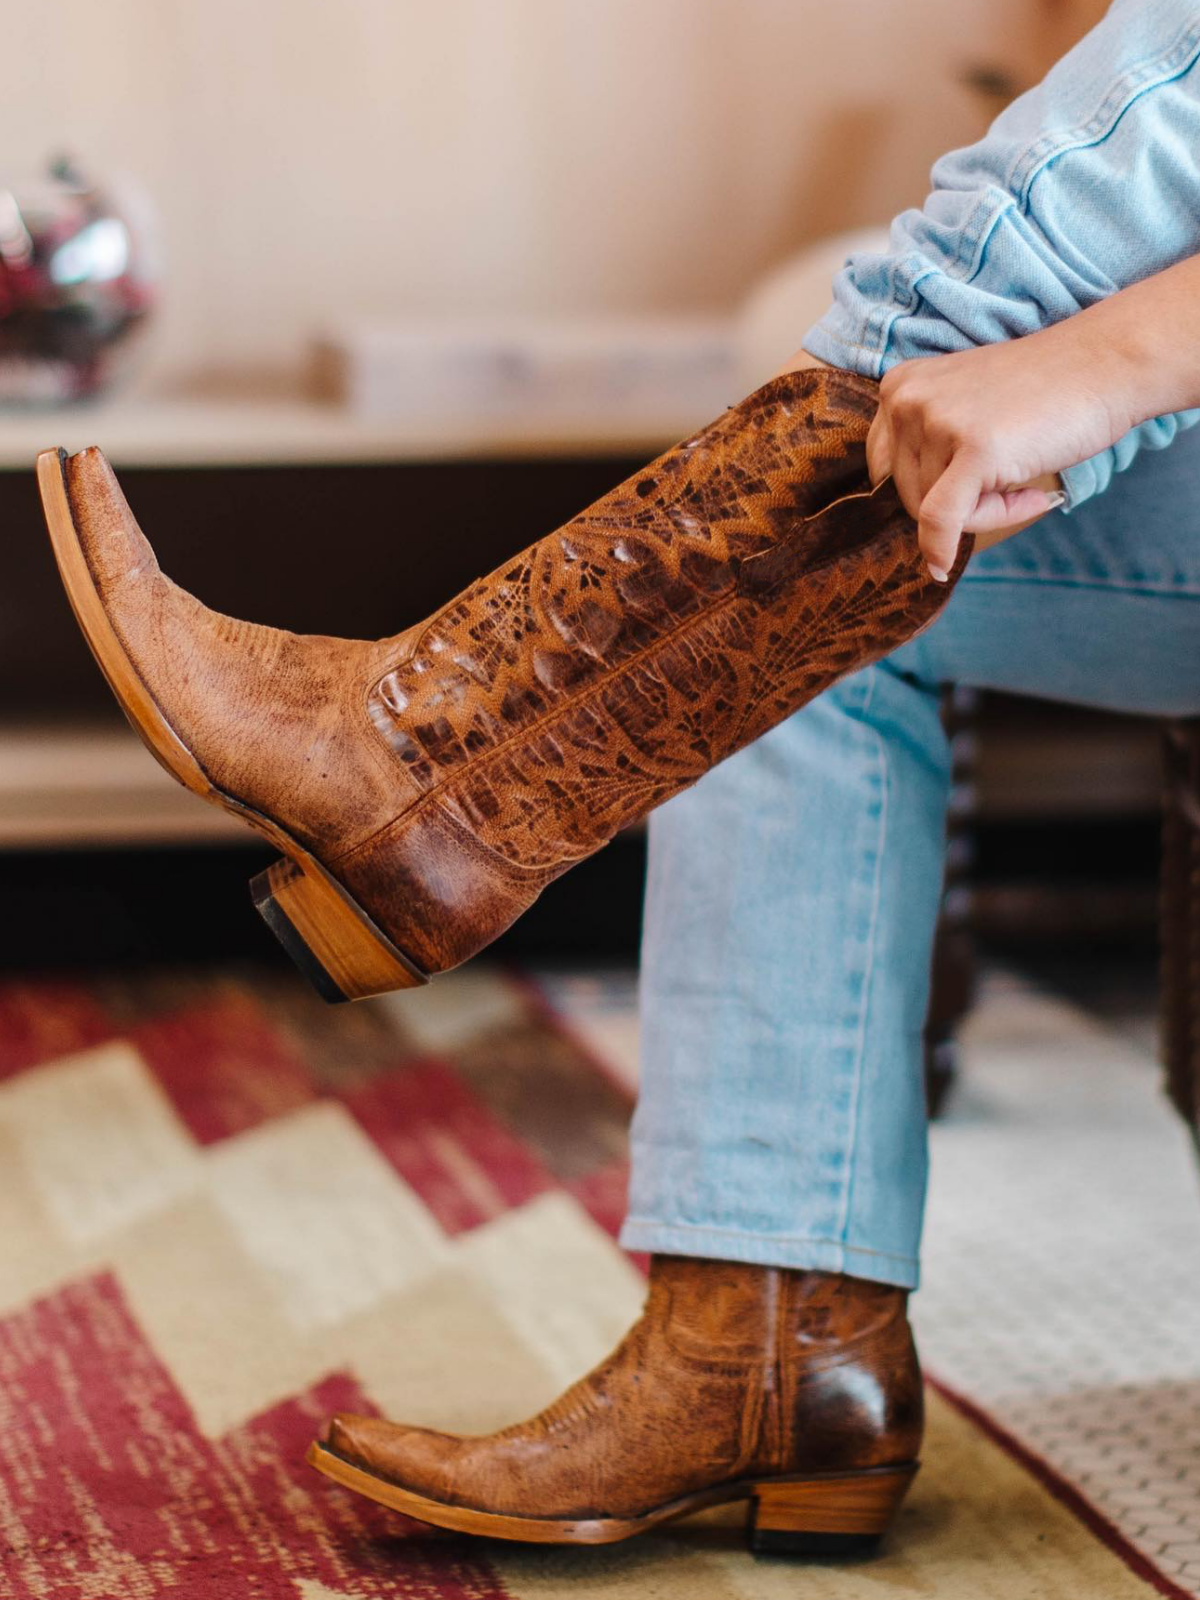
x=799, y=1392
x=424, y=789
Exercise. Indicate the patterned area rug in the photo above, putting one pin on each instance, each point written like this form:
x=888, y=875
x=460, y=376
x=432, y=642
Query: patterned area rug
x=228, y=1210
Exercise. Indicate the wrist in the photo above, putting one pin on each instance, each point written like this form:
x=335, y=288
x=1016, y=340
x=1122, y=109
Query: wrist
x=1132, y=352
x=1142, y=380
x=1109, y=362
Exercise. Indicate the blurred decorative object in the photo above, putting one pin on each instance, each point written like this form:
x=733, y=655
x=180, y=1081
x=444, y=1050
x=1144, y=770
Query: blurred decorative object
x=76, y=281
x=1052, y=28
x=994, y=83
x=637, y=366
x=782, y=307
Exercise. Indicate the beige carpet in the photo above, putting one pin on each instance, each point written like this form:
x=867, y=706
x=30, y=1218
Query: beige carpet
x=228, y=1210
x=977, y=1526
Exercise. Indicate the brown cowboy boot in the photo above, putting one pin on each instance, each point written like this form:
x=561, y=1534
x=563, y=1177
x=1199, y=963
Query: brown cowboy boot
x=424, y=789
x=797, y=1391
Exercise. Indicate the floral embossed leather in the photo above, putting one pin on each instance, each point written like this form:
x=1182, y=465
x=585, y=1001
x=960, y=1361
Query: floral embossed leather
x=425, y=788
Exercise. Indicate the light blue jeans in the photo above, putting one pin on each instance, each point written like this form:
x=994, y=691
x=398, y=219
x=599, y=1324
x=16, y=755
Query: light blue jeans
x=793, y=892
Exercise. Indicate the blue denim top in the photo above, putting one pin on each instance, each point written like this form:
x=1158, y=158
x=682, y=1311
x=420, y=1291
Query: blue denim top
x=1087, y=183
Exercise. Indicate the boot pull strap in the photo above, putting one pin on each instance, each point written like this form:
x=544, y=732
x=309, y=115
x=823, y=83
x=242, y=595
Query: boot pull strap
x=847, y=524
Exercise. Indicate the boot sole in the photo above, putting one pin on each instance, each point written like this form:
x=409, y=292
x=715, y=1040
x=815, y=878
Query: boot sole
x=835, y=1513
x=328, y=935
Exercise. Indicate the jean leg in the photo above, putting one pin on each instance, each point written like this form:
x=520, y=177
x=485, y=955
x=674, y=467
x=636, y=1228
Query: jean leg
x=1099, y=608
x=791, y=904
x=793, y=894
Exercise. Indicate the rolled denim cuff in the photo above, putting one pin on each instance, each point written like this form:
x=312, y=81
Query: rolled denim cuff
x=832, y=339
x=1094, y=475
x=1081, y=482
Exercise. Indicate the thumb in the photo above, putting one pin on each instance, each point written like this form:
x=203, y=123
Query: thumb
x=1003, y=508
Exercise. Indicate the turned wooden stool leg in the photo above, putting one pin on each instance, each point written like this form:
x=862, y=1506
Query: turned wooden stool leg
x=1179, y=993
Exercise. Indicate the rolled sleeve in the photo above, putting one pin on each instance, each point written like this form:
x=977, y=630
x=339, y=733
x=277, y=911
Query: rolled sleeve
x=1086, y=184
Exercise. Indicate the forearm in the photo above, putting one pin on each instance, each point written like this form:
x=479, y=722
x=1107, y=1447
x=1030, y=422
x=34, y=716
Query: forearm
x=1143, y=342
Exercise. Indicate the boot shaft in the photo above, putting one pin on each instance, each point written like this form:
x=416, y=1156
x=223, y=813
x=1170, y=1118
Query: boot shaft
x=612, y=664
x=615, y=661
x=611, y=584
x=832, y=1374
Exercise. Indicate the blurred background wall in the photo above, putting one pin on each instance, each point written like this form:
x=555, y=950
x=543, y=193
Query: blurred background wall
x=496, y=155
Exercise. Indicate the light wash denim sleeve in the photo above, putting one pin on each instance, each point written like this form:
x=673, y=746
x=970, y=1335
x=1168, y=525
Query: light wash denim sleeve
x=1087, y=183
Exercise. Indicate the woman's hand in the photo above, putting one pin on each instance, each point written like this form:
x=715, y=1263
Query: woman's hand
x=975, y=440
x=958, y=432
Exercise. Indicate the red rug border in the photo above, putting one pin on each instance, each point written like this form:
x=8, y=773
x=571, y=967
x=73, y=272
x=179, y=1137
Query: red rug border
x=1063, y=1490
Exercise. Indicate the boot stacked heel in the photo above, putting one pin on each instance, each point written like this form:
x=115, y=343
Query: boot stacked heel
x=329, y=937
x=833, y=1515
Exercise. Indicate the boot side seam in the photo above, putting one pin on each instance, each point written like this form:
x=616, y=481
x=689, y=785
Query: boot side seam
x=804, y=379
x=731, y=593
x=438, y=792
x=444, y=788
x=775, y=1440
x=517, y=872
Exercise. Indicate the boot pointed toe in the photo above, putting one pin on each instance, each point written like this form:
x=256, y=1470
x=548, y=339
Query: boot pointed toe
x=350, y=1436
x=115, y=548
x=409, y=1456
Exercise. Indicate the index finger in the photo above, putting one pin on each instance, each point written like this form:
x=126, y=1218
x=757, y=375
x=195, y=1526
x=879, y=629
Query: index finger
x=944, y=513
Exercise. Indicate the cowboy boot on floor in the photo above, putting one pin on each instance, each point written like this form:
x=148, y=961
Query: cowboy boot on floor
x=424, y=789
x=797, y=1391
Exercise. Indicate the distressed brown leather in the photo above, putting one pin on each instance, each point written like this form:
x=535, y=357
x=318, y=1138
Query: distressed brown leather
x=446, y=775
x=733, y=1372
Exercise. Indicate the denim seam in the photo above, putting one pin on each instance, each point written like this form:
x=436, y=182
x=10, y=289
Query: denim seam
x=634, y=1223
x=1097, y=585
x=1142, y=79
x=870, y=677
x=1027, y=166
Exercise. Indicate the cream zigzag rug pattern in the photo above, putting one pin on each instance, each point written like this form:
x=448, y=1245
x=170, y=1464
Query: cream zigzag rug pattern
x=228, y=1210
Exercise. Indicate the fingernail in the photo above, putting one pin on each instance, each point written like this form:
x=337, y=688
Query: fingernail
x=938, y=574
x=1054, y=499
